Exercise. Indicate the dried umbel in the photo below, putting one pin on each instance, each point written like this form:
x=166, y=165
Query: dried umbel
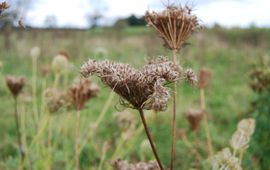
x=125, y=120
x=82, y=91
x=124, y=165
x=15, y=84
x=174, y=24
x=224, y=160
x=3, y=6
x=191, y=77
x=35, y=52
x=260, y=79
x=194, y=117
x=204, y=78
x=241, y=137
x=59, y=64
x=57, y=100
x=142, y=89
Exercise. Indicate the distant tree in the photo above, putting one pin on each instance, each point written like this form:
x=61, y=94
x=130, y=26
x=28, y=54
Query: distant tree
x=97, y=9
x=135, y=21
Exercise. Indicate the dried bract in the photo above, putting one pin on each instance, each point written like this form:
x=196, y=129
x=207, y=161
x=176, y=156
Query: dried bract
x=240, y=140
x=194, y=117
x=142, y=89
x=225, y=160
x=83, y=91
x=247, y=125
x=15, y=84
x=124, y=165
x=174, y=24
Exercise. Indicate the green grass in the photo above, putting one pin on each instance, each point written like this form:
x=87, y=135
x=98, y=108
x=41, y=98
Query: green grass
x=227, y=98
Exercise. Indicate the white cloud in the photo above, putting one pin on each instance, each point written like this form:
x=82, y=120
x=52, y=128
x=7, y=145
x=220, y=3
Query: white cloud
x=225, y=12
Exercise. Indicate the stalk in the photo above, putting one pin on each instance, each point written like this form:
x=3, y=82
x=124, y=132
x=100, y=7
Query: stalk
x=207, y=132
x=76, y=139
x=19, y=135
x=150, y=138
x=34, y=90
x=174, y=116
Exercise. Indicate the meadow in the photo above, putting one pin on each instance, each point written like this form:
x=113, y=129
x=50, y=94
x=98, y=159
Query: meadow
x=48, y=137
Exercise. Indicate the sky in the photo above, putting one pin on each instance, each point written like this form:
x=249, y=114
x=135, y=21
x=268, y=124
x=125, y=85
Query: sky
x=229, y=13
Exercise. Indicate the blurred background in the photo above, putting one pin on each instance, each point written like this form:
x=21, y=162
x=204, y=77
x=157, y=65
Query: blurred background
x=234, y=40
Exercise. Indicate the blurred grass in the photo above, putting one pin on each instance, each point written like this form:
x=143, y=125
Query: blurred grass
x=227, y=52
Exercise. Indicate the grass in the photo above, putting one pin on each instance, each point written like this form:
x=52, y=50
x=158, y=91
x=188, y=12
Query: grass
x=227, y=99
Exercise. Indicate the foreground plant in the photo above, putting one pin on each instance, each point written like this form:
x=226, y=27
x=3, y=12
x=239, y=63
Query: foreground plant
x=174, y=24
x=138, y=89
x=3, y=6
x=15, y=85
x=81, y=92
x=239, y=142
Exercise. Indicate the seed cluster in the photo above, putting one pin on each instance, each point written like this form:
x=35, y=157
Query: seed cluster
x=194, y=117
x=142, y=89
x=83, y=91
x=174, y=24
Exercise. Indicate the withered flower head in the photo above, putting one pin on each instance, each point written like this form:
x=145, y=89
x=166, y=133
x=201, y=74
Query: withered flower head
x=191, y=77
x=225, y=160
x=3, y=6
x=124, y=165
x=204, y=78
x=15, y=84
x=83, y=91
x=174, y=25
x=194, y=117
x=57, y=100
x=142, y=89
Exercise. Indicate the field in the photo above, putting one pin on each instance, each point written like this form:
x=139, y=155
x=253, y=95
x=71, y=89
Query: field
x=48, y=138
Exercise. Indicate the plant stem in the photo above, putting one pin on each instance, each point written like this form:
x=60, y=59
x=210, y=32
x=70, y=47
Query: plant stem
x=150, y=138
x=34, y=90
x=19, y=136
x=174, y=115
x=203, y=107
x=76, y=140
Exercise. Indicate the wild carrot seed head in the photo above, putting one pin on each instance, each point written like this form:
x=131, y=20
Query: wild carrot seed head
x=15, y=84
x=174, y=25
x=142, y=89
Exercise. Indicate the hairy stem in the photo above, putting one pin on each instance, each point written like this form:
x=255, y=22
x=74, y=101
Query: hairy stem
x=207, y=132
x=18, y=129
x=76, y=140
x=150, y=138
x=174, y=116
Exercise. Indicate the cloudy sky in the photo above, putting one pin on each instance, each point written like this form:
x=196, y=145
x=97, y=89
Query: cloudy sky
x=73, y=12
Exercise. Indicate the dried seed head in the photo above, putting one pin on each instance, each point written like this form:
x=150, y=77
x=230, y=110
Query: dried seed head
x=83, y=91
x=59, y=64
x=124, y=165
x=3, y=6
x=174, y=25
x=142, y=89
x=225, y=160
x=125, y=120
x=247, y=125
x=191, y=77
x=204, y=78
x=35, y=52
x=194, y=117
x=57, y=100
x=240, y=140
x=15, y=84
x=44, y=70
